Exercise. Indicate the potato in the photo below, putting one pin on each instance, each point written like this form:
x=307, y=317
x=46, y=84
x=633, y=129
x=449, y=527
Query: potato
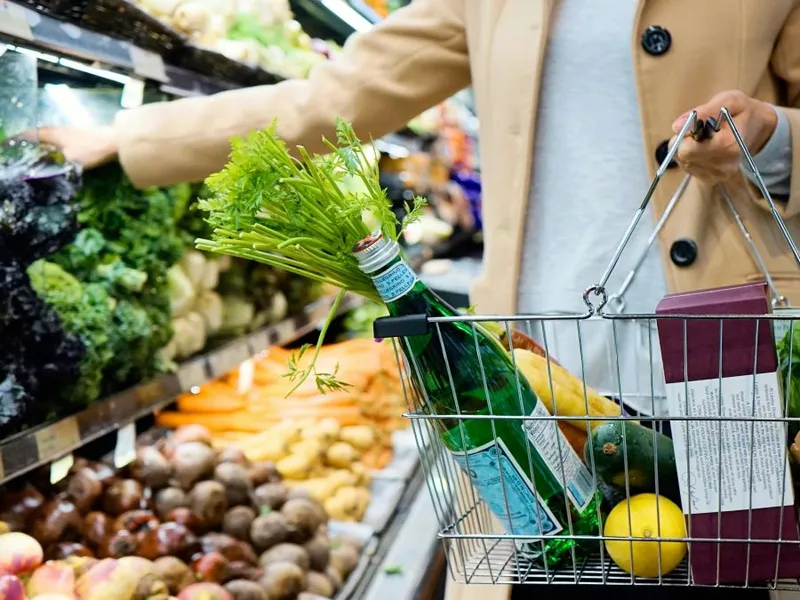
x=314, y=449
x=310, y=596
x=327, y=431
x=269, y=530
x=273, y=495
x=343, y=477
x=238, y=521
x=271, y=450
x=334, y=577
x=241, y=589
x=317, y=489
x=295, y=466
x=349, y=504
x=286, y=553
x=283, y=581
x=319, y=584
x=303, y=518
x=344, y=559
x=319, y=552
x=342, y=455
x=361, y=437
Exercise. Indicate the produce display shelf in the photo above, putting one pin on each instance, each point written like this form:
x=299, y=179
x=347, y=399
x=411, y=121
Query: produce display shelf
x=24, y=27
x=408, y=560
x=52, y=441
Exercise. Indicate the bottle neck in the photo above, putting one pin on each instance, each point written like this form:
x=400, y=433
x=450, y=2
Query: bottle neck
x=380, y=259
x=395, y=280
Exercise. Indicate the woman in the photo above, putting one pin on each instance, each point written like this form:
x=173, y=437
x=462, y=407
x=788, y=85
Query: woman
x=577, y=103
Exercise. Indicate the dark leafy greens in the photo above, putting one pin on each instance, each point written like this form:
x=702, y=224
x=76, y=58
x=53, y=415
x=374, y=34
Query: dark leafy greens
x=128, y=241
x=38, y=358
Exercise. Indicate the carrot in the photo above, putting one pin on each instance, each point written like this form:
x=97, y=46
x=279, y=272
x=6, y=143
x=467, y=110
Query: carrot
x=332, y=399
x=259, y=420
x=216, y=422
x=210, y=402
x=378, y=458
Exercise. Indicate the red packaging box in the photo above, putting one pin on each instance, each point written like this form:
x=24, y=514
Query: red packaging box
x=723, y=503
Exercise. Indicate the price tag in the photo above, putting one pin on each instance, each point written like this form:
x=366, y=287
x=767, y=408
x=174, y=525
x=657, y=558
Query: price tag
x=192, y=374
x=132, y=93
x=14, y=21
x=148, y=64
x=247, y=371
x=58, y=439
x=59, y=469
x=781, y=328
x=229, y=358
x=2, y=468
x=125, y=450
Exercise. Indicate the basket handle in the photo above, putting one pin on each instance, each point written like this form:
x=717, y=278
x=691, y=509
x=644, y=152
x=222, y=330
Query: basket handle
x=596, y=297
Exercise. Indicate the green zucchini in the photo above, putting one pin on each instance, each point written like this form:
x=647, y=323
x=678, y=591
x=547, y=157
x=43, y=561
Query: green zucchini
x=645, y=448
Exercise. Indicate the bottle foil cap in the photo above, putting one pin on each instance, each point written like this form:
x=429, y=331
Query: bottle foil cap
x=375, y=252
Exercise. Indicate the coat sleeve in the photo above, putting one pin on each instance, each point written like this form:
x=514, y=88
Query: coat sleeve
x=383, y=78
x=785, y=64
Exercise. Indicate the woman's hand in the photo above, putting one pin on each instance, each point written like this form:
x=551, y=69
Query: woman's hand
x=89, y=147
x=718, y=158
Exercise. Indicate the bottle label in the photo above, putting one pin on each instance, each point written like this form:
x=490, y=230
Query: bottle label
x=560, y=458
x=507, y=490
x=395, y=282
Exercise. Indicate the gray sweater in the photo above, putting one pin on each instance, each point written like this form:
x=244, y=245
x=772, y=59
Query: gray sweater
x=584, y=193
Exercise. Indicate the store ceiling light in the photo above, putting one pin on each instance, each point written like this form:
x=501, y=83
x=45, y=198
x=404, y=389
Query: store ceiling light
x=36, y=54
x=347, y=14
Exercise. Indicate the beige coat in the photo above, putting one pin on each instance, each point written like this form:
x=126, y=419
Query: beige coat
x=425, y=53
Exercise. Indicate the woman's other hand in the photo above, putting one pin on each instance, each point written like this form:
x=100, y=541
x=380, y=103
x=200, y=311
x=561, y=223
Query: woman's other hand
x=90, y=147
x=717, y=159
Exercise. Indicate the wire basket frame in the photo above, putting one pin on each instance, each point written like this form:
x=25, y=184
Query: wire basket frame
x=753, y=430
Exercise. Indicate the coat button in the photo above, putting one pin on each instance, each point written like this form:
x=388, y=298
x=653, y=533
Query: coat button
x=656, y=40
x=683, y=252
x=661, y=154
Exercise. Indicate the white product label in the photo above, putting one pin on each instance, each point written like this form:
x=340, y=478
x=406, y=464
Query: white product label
x=560, y=458
x=395, y=281
x=125, y=450
x=59, y=469
x=148, y=64
x=247, y=371
x=733, y=464
x=505, y=488
x=781, y=328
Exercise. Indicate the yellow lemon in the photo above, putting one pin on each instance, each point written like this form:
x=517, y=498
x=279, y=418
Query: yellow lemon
x=647, y=513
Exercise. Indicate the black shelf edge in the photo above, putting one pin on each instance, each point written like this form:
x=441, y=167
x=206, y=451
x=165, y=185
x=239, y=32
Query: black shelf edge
x=68, y=40
x=39, y=446
x=320, y=19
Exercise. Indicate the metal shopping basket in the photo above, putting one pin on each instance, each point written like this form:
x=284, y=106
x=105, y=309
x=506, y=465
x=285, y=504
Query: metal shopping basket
x=726, y=427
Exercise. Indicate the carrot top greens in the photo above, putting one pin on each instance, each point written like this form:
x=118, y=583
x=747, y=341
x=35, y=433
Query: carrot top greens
x=297, y=213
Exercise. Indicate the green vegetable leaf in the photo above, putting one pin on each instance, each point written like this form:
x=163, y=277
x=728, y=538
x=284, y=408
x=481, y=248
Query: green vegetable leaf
x=393, y=569
x=789, y=363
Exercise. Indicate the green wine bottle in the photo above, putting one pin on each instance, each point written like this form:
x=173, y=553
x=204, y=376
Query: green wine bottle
x=517, y=467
